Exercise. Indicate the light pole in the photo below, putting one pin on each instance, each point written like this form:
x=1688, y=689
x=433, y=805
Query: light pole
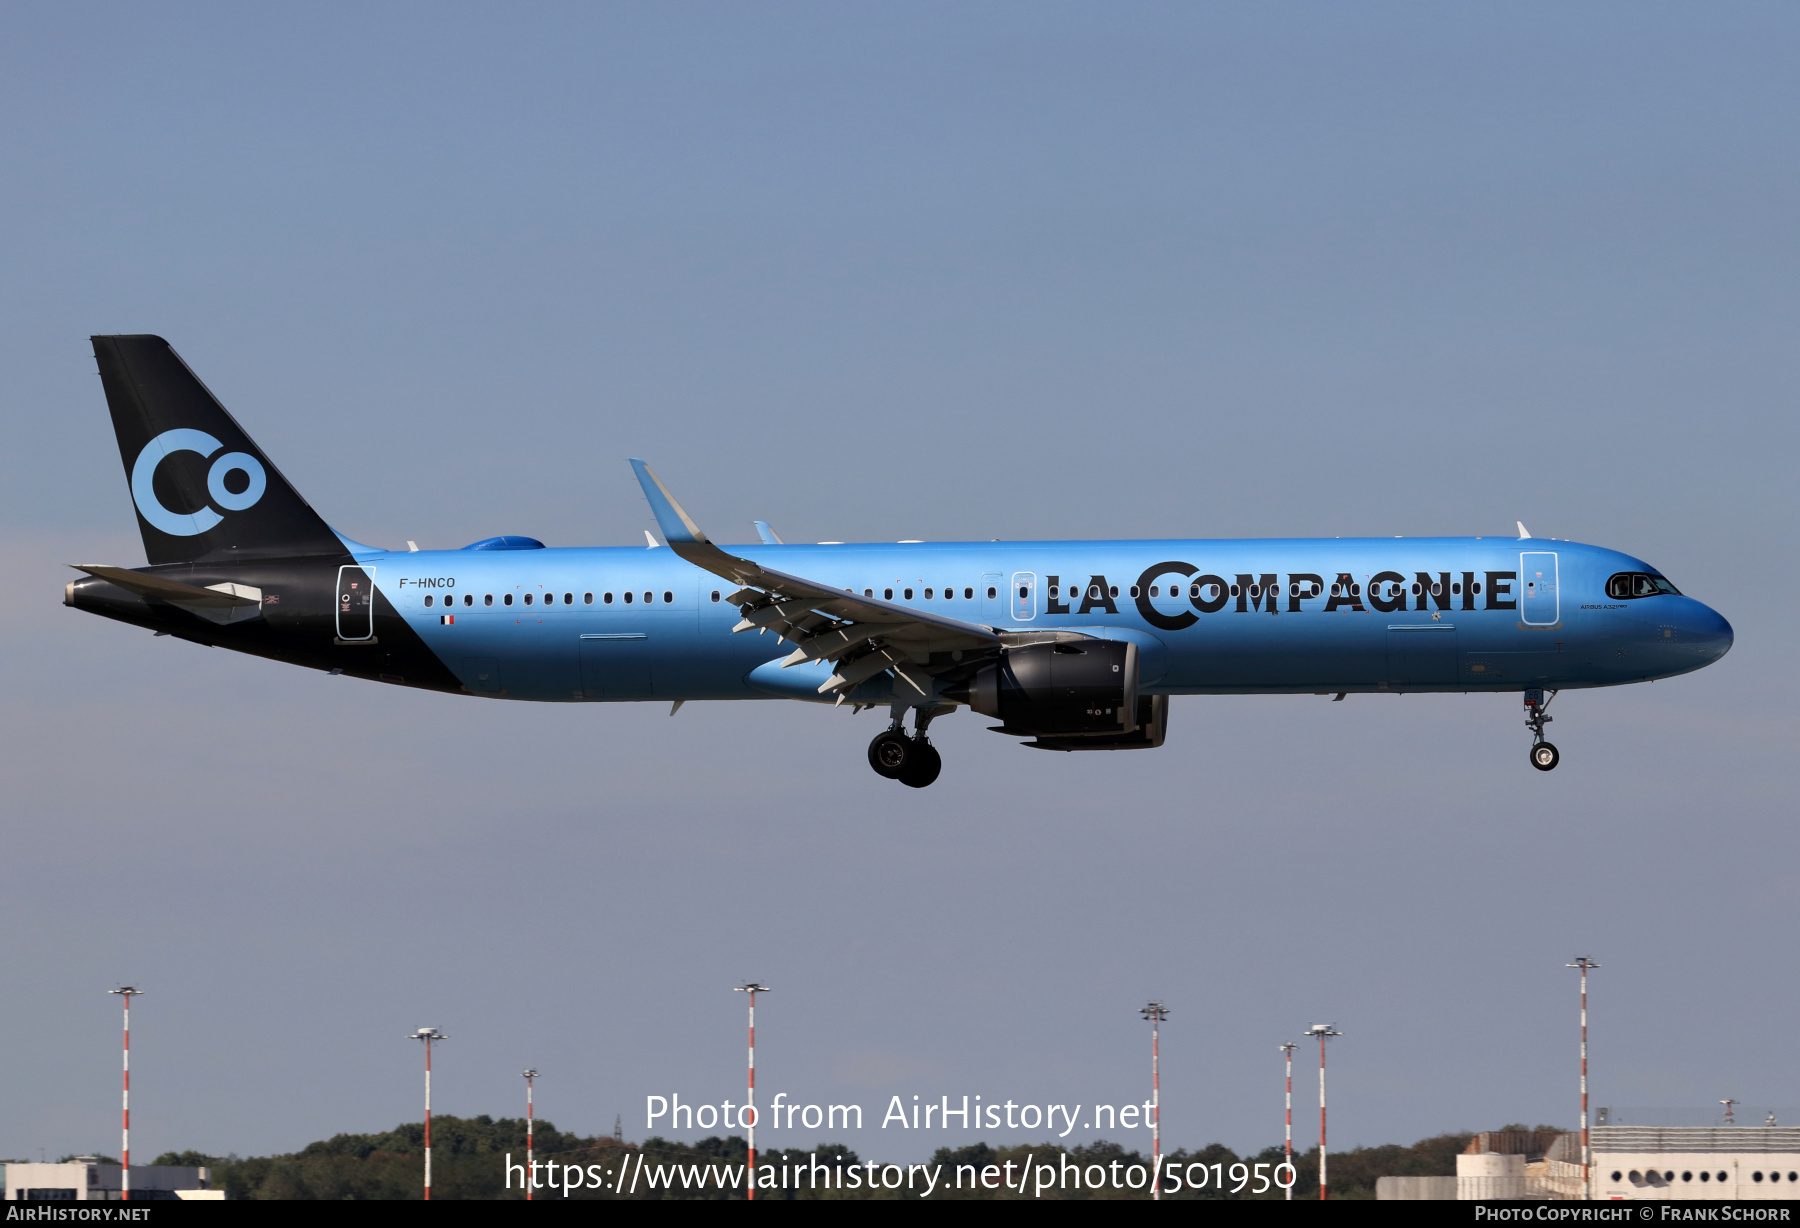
x=427, y=1035
x=530, y=1168
x=127, y=992
x=1324, y=1031
x=1584, y=963
x=1155, y=1012
x=1287, y=1051
x=751, y=988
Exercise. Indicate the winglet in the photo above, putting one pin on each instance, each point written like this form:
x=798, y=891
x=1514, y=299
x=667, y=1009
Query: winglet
x=768, y=535
x=676, y=524
x=1523, y=534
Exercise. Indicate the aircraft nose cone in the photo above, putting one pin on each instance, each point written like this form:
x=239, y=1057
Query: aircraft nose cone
x=1709, y=631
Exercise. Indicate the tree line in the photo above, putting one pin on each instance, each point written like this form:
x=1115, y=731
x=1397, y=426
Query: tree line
x=468, y=1162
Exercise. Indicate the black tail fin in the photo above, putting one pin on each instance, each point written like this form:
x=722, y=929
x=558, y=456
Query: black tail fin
x=202, y=488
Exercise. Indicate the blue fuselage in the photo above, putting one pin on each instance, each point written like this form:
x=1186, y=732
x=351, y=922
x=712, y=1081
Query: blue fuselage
x=1209, y=617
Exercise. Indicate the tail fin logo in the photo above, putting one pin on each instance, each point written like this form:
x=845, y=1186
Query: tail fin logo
x=191, y=524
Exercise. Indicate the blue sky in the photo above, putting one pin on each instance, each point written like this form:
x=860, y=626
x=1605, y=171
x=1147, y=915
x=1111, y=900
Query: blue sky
x=892, y=272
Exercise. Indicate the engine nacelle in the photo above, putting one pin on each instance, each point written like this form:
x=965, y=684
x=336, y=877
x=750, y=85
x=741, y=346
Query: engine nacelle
x=1152, y=724
x=1075, y=688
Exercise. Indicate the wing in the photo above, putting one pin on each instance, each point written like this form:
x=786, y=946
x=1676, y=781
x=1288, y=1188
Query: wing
x=862, y=636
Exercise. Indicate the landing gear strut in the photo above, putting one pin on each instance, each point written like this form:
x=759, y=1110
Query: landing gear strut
x=913, y=761
x=1544, y=756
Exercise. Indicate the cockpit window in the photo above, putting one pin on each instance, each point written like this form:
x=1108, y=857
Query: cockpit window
x=1629, y=584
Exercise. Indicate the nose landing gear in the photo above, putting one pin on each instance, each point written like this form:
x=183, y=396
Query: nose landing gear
x=1544, y=755
x=913, y=761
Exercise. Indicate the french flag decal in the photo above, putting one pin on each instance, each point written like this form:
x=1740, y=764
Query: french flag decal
x=445, y=620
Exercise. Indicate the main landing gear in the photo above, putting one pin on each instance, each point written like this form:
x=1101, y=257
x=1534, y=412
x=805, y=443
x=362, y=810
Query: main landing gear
x=1544, y=756
x=911, y=760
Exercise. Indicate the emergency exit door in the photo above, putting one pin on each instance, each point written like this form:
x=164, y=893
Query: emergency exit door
x=1024, y=596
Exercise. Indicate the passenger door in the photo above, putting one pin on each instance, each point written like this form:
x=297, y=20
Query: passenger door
x=355, y=604
x=1539, y=603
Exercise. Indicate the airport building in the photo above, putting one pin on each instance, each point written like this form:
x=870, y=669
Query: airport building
x=1710, y=1163
x=86, y=1179
x=1632, y=1163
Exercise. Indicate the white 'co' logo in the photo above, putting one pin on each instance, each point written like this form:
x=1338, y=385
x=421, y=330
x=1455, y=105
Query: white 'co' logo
x=188, y=524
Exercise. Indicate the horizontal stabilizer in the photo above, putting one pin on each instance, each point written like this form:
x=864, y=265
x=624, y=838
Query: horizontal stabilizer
x=173, y=591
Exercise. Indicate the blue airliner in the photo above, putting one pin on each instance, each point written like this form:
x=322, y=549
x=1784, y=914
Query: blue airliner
x=1071, y=645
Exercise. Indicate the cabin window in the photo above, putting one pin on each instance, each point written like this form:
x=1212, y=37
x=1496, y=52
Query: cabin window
x=1134, y=590
x=649, y=597
x=1475, y=588
x=427, y=598
x=928, y=593
x=1113, y=591
x=468, y=598
x=1437, y=590
x=1456, y=589
x=1234, y=590
x=587, y=599
x=715, y=596
x=1156, y=590
x=909, y=594
x=887, y=594
x=508, y=599
x=568, y=598
x=628, y=598
x=527, y=598
x=1024, y=592
x=1053, y=593
x=969, y=594
x=488, y=600
x=668, y=598
x=605, y=598
x=992, y=592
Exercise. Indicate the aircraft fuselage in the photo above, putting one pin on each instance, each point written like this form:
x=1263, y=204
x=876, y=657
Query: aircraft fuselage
x=1257, y=616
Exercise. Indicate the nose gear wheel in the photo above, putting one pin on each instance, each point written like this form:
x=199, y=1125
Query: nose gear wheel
x=1544, y=755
